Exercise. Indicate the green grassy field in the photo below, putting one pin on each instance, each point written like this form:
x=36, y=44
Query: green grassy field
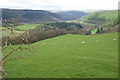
x=77, y=21
x=66, y=57
x=27, y=26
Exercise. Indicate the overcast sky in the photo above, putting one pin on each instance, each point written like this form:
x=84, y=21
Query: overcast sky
x=60, y=4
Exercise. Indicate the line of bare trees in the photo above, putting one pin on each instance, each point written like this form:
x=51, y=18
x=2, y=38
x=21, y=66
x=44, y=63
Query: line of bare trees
x=34, y=35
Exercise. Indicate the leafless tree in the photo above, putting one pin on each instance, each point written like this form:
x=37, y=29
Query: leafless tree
x=4, y=45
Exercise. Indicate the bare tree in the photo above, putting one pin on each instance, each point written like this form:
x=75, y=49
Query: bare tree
x=3, y=45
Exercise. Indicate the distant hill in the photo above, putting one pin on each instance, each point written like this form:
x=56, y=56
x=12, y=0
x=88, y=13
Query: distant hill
x=40, y=15
x=29, y=15
x=70, y=15
x=103, y=18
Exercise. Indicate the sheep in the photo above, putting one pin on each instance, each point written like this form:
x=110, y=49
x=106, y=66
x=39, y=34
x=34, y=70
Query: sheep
x=43, y=43
x=53, y=43
x=83, y=42
x=114, y=39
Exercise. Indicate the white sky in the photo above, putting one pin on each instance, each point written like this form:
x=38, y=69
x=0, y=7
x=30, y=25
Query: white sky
x=60, y=4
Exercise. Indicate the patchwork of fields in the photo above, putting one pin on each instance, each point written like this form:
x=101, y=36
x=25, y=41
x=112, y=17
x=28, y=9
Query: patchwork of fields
x=17, y=30
x=66, y=57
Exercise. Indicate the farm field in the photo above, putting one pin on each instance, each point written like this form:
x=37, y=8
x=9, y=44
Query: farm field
x=89, y=24
x=27, y=26
x=66, y=57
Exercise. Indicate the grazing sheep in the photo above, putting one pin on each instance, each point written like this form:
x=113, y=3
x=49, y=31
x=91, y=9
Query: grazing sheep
x=83, y=42
x=114, y=39
x=53, y=43
x=43, y=43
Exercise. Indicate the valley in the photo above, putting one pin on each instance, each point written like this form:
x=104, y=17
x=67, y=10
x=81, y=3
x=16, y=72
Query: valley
x=60, y=44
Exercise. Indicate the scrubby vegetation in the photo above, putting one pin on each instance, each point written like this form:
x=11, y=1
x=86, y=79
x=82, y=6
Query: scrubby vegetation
x=7, y=32
x=34, y=35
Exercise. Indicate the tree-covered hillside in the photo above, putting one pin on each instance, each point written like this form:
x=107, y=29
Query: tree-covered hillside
x=28, y=15
x=37, y=16
x=71, y=15
x=60, y=25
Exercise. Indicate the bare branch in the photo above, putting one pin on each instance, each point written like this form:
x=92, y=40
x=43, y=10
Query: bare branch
x=5, y=42
x=27, y=37
x=12, y=59
x=11, y=52
x=5, y=46
x=27, y=49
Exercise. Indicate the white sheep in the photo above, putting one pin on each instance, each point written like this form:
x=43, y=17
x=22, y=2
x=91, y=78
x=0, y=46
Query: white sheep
x=53, y=43
x=83, y=42
x=114, y=39
x=43, y=43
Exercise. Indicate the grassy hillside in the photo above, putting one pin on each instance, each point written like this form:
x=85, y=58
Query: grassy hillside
x=103, y=18
x=66, y=57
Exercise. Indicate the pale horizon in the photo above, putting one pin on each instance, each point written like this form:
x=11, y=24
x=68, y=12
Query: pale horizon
x=60, y=4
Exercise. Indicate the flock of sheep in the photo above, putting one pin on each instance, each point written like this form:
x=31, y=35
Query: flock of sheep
x=45, y=43
x=97, y=41
x=83, y=42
